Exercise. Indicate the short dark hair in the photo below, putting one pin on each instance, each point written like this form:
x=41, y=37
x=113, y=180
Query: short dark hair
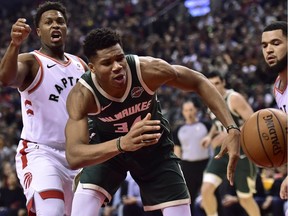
x=282, y=25
x=213, y=74
x=46, y=7
x=98, y=39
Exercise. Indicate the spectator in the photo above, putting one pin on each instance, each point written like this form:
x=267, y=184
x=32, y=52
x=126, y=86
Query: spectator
x=12, y=199
x=273, y=203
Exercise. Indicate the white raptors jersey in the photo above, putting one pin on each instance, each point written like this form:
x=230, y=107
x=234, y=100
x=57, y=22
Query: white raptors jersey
x=281, y=97
x=43, y=103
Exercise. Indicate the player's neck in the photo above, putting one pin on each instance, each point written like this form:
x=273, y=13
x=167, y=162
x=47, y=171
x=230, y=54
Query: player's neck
x=224, y=93
x=56, y=54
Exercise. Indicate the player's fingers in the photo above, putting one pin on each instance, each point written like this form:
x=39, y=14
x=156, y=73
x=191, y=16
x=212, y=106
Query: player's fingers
x=21, y=20
x=16, y=34
x=146, y=121
x=146, y=127
x=20, y=25
x=283, y=195
x=148, y=138
x=283, y=191
x=152, y=136
x=205, y=143
x=222, y=152
x=148, y=116
x=148, y=142
x=19, y=32
x=143, y=132
x=230, y=176
x=231, y=168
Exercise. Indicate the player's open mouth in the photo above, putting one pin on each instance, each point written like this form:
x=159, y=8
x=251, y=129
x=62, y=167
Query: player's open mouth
x=119, y=78
x=56, y=36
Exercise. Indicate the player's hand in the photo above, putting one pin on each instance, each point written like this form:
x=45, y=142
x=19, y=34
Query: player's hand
x=206, y=141
x=229, y=200
x=143, y=133
x=284, y=189
x=129, y=200
x=231, y=145
x=20, y=31
x=218, y=139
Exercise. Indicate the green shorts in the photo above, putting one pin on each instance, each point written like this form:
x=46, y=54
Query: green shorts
x=245, y=174
x=161, y=180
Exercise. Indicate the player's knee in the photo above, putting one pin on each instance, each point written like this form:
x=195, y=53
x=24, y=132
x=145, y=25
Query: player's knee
x=49, y=206
x=55, y=210
x=206, y=190
x=246, y=201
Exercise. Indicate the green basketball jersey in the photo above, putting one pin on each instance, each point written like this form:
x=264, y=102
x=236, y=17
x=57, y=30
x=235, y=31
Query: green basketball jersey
x=117, y=115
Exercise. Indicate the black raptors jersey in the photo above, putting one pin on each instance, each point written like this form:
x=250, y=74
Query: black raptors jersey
x=117, y=115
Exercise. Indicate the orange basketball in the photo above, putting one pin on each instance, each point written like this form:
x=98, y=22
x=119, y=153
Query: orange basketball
x=264, y=138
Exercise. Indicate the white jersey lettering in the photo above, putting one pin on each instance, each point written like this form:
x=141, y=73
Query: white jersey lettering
x=44, y=101
x=127, y=112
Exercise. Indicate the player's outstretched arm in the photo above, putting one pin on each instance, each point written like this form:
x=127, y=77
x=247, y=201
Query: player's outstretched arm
x=188, y=79
x=231, y=145
x=12, y=71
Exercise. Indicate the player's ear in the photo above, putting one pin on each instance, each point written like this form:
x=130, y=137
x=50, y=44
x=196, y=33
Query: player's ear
x=91, y=67
x=38, y=32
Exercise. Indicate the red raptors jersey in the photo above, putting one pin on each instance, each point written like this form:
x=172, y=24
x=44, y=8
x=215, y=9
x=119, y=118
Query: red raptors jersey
x=44, y=101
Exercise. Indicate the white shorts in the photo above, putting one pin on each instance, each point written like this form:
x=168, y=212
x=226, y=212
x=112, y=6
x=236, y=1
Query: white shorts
x=45, y=170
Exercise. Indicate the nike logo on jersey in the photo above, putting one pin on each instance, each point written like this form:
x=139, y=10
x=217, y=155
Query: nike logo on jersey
x=105, y=107
x=50, y=66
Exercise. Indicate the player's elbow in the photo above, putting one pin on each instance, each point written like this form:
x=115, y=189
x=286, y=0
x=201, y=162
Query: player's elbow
x=4, y=82
x=8, y=80
x=72, y=160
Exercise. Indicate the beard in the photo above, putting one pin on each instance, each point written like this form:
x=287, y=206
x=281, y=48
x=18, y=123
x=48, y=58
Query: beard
x=279, y=67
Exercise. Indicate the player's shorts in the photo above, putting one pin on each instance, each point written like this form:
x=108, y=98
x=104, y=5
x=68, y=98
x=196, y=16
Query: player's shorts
x=45, y=170
x=161, y=184
x=245, y=174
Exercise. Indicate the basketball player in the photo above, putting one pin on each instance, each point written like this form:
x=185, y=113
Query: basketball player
x=44, y=78
x=129, y=131
x=274, y=49
x=194, y=157
x=246, y=171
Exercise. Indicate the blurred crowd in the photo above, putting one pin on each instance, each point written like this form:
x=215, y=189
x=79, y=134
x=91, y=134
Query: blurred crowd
x=227, y=39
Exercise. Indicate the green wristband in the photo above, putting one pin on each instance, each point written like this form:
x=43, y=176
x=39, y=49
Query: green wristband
x=119, y=146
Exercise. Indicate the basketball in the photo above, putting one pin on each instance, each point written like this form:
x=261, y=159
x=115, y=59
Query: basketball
x=264, y=138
